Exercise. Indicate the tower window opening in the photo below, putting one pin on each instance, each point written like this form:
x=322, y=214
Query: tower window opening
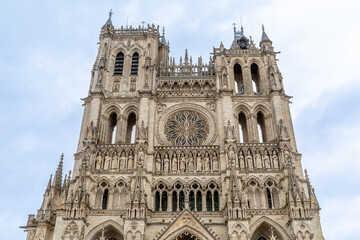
x=255, y=78
x=105, y=199
x=131, y=128
x=261, y=127
x=238, y=77
x=119, y=64
x=243, y=133
x=134, y=64
x=112, y=127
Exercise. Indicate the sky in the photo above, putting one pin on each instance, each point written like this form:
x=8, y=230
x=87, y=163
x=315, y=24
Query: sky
x=48, y=48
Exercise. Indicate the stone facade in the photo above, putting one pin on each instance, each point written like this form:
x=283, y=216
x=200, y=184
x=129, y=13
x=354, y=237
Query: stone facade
x=187, y=150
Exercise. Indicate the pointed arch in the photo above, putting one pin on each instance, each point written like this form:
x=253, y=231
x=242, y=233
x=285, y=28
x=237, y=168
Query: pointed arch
x=113, y=230
x=262, y=226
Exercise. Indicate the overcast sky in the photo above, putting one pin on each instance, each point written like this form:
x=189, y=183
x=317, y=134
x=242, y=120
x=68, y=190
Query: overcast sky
x=48, y=48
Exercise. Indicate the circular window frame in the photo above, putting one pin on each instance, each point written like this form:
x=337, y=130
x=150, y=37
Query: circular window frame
x=165, y=115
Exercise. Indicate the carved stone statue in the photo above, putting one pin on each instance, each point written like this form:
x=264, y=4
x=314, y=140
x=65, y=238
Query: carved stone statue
x=275, y=160
x=130, y=161
x=166, y=163
x=174, y=166
x=191, y=163
x=142, y=132
x=249, y=160
x=283, y=130
x=287, y=156
x=231, y=156
x=215, y=163
x=267, y=160
x=158, y=164
x=182, y=162
x=107, y=161
x=198, y=163
x=115, y=161
x=207, y=162
x=122, y=161
x=98, y=162
x=258, y=160
x=229, y=131
x=241, y=160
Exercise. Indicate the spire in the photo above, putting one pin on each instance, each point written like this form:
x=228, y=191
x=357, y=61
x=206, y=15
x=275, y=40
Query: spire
x=49, y=184
x=58, y=174
x=186, y=56
x=108, y=22
x=264, y=37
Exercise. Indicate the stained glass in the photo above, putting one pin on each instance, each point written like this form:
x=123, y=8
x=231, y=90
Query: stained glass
x=187, y=128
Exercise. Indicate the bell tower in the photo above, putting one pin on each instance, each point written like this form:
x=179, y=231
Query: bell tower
x=181, y=150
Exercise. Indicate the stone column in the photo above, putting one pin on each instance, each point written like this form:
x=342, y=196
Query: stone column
x=247, y=80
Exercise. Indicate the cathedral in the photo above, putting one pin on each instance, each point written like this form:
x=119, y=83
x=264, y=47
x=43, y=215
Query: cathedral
x=189, y=150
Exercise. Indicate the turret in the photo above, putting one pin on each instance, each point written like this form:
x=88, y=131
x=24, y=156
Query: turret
x=265, y=43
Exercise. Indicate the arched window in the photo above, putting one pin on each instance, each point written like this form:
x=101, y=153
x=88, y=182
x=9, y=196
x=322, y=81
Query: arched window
x=198, y=201
x=181, y=200
x=261, y=238
x=164, y=200
x=209, y=201
x=161, y=198
x=269, y=198
x=216, y=201
x=255, y=78
x=112, y=127
x=131, y=128
x=105, y=199
x=119, y=64
x=134, y=64
x=243, y=133
x=261, y=127
x=174, y=201
x=157, y=201
x=238, y=77
x=192, y=201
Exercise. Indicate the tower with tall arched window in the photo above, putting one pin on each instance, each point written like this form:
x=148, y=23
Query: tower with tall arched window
x=181, y=150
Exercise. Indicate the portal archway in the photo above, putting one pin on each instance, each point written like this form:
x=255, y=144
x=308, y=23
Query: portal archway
x=110, y=229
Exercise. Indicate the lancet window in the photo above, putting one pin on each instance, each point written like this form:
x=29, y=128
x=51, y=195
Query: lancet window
x=178, y=198
x=134, y=63
x=131, y=128
x=119, y=64
x=238, y=77
x=195, y=197
x=104, y=202
x=161, y=198
x=112, y=128
x=212, y=198
x=255, y=76
x=243, y=132
x=199, y=199
x=261, y=127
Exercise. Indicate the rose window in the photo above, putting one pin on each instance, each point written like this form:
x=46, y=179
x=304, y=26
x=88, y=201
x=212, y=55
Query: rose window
x=186, y=128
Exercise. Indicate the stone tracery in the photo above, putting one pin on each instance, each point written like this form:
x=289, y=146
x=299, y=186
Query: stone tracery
x=186, y=128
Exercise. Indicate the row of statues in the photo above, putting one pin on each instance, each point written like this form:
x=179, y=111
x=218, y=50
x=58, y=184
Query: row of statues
x=254, y=160
x=190, y=162
x=117, y=161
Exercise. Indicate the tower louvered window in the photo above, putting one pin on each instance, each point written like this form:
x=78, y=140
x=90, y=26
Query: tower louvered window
x=119, y=64
x=134, y=64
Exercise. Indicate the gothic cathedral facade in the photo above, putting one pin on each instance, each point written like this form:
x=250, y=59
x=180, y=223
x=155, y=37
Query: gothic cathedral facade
x=189, y=150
